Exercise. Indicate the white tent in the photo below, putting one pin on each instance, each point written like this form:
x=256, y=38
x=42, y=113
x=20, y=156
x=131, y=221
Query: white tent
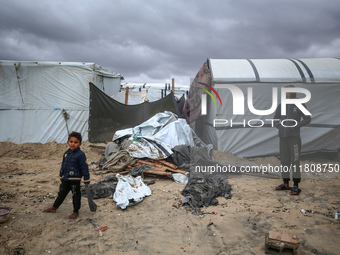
x=41, y=101
x=320, y=76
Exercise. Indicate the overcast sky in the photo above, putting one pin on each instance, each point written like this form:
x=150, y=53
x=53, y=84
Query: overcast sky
x=156, y=40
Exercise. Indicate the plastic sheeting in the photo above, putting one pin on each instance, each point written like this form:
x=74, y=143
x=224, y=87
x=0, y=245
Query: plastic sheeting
x=310, y=70
x=107, y=115
x=156, y=137
x=130, y=191
x=180, y=178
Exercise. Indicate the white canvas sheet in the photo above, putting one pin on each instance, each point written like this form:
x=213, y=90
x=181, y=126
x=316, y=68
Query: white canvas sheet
x=33, y=95
x=250, y=142
x=41, y=126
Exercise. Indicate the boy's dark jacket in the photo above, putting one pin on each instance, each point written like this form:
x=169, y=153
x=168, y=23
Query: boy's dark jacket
x=74, y=166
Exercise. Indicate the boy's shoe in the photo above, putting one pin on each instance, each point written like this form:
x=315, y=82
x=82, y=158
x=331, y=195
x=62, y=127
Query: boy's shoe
x=51, y=209
x=73, y=215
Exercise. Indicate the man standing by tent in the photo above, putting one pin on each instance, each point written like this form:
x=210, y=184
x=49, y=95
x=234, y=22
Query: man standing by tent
x=290, y=143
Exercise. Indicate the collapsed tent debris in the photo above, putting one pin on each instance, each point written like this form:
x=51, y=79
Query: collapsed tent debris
x=155, y=137
x=163, y=146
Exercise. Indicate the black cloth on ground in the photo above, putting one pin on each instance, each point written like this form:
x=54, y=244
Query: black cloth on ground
x=203, y=188
x=102, y=189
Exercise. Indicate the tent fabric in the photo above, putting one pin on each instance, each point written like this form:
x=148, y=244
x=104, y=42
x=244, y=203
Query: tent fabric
x=321, y=77
x=192, y=107
x=108, y=116
x=275, y=70
x=34, y=95
x=156, y=137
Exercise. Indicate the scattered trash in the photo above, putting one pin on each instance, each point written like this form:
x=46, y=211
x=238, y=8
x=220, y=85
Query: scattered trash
x=130, y=191
x=281, y=241
x=303, y=211
x=100, y=228
x=27, y=211
x=210, y=223
x=4, y=213
x=180, y=178
x=337, y=215
x=258, y=214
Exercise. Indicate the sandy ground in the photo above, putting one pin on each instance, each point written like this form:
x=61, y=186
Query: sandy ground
x=29, y=183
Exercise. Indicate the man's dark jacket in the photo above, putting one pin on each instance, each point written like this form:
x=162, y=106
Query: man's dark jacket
x=292, y=112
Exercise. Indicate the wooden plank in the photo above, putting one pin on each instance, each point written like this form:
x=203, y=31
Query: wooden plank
x=145, y=162
x=160, y=173
x=173, y=166
x=162, y=168
x=177, y=171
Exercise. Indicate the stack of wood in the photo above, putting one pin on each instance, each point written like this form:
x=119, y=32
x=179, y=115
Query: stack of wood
x=160, y=168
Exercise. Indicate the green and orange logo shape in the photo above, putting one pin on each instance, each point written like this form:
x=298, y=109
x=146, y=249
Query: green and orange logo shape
x=209, y=93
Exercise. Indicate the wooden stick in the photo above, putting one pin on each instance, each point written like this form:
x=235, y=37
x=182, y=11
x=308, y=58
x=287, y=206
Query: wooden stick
x=173, y=166
x=173, y=85
x=159, y=168
x=145, y=162
x=161, y=173
x=177, y=171
x=127, y=95
x=163, y=169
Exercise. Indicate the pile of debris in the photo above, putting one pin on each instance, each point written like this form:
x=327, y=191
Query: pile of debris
x=163, y=146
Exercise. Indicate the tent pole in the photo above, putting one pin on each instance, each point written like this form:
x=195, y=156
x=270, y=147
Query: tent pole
x=173, y=85
x=126, y=95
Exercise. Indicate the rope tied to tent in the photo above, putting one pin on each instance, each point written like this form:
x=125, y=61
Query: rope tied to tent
x=66, y=117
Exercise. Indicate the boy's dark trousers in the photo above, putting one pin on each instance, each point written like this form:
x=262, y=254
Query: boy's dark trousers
x=64, y=189
x=290, y=148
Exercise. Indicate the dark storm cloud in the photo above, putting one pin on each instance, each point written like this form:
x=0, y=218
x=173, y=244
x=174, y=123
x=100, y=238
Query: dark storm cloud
x=149, y=41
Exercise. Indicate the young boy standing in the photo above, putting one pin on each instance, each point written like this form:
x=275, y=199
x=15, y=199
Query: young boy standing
x=73, y=168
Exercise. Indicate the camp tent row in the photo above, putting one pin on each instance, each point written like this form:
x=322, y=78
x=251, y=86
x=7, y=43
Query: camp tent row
x=140, y=92
x=42, y=102
x=320, y=76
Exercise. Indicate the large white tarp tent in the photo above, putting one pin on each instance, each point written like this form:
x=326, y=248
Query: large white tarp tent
x=34, y=95
x=320, y=76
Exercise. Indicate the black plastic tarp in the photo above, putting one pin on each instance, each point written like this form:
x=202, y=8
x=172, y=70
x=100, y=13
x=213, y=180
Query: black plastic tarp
x=108, y=115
